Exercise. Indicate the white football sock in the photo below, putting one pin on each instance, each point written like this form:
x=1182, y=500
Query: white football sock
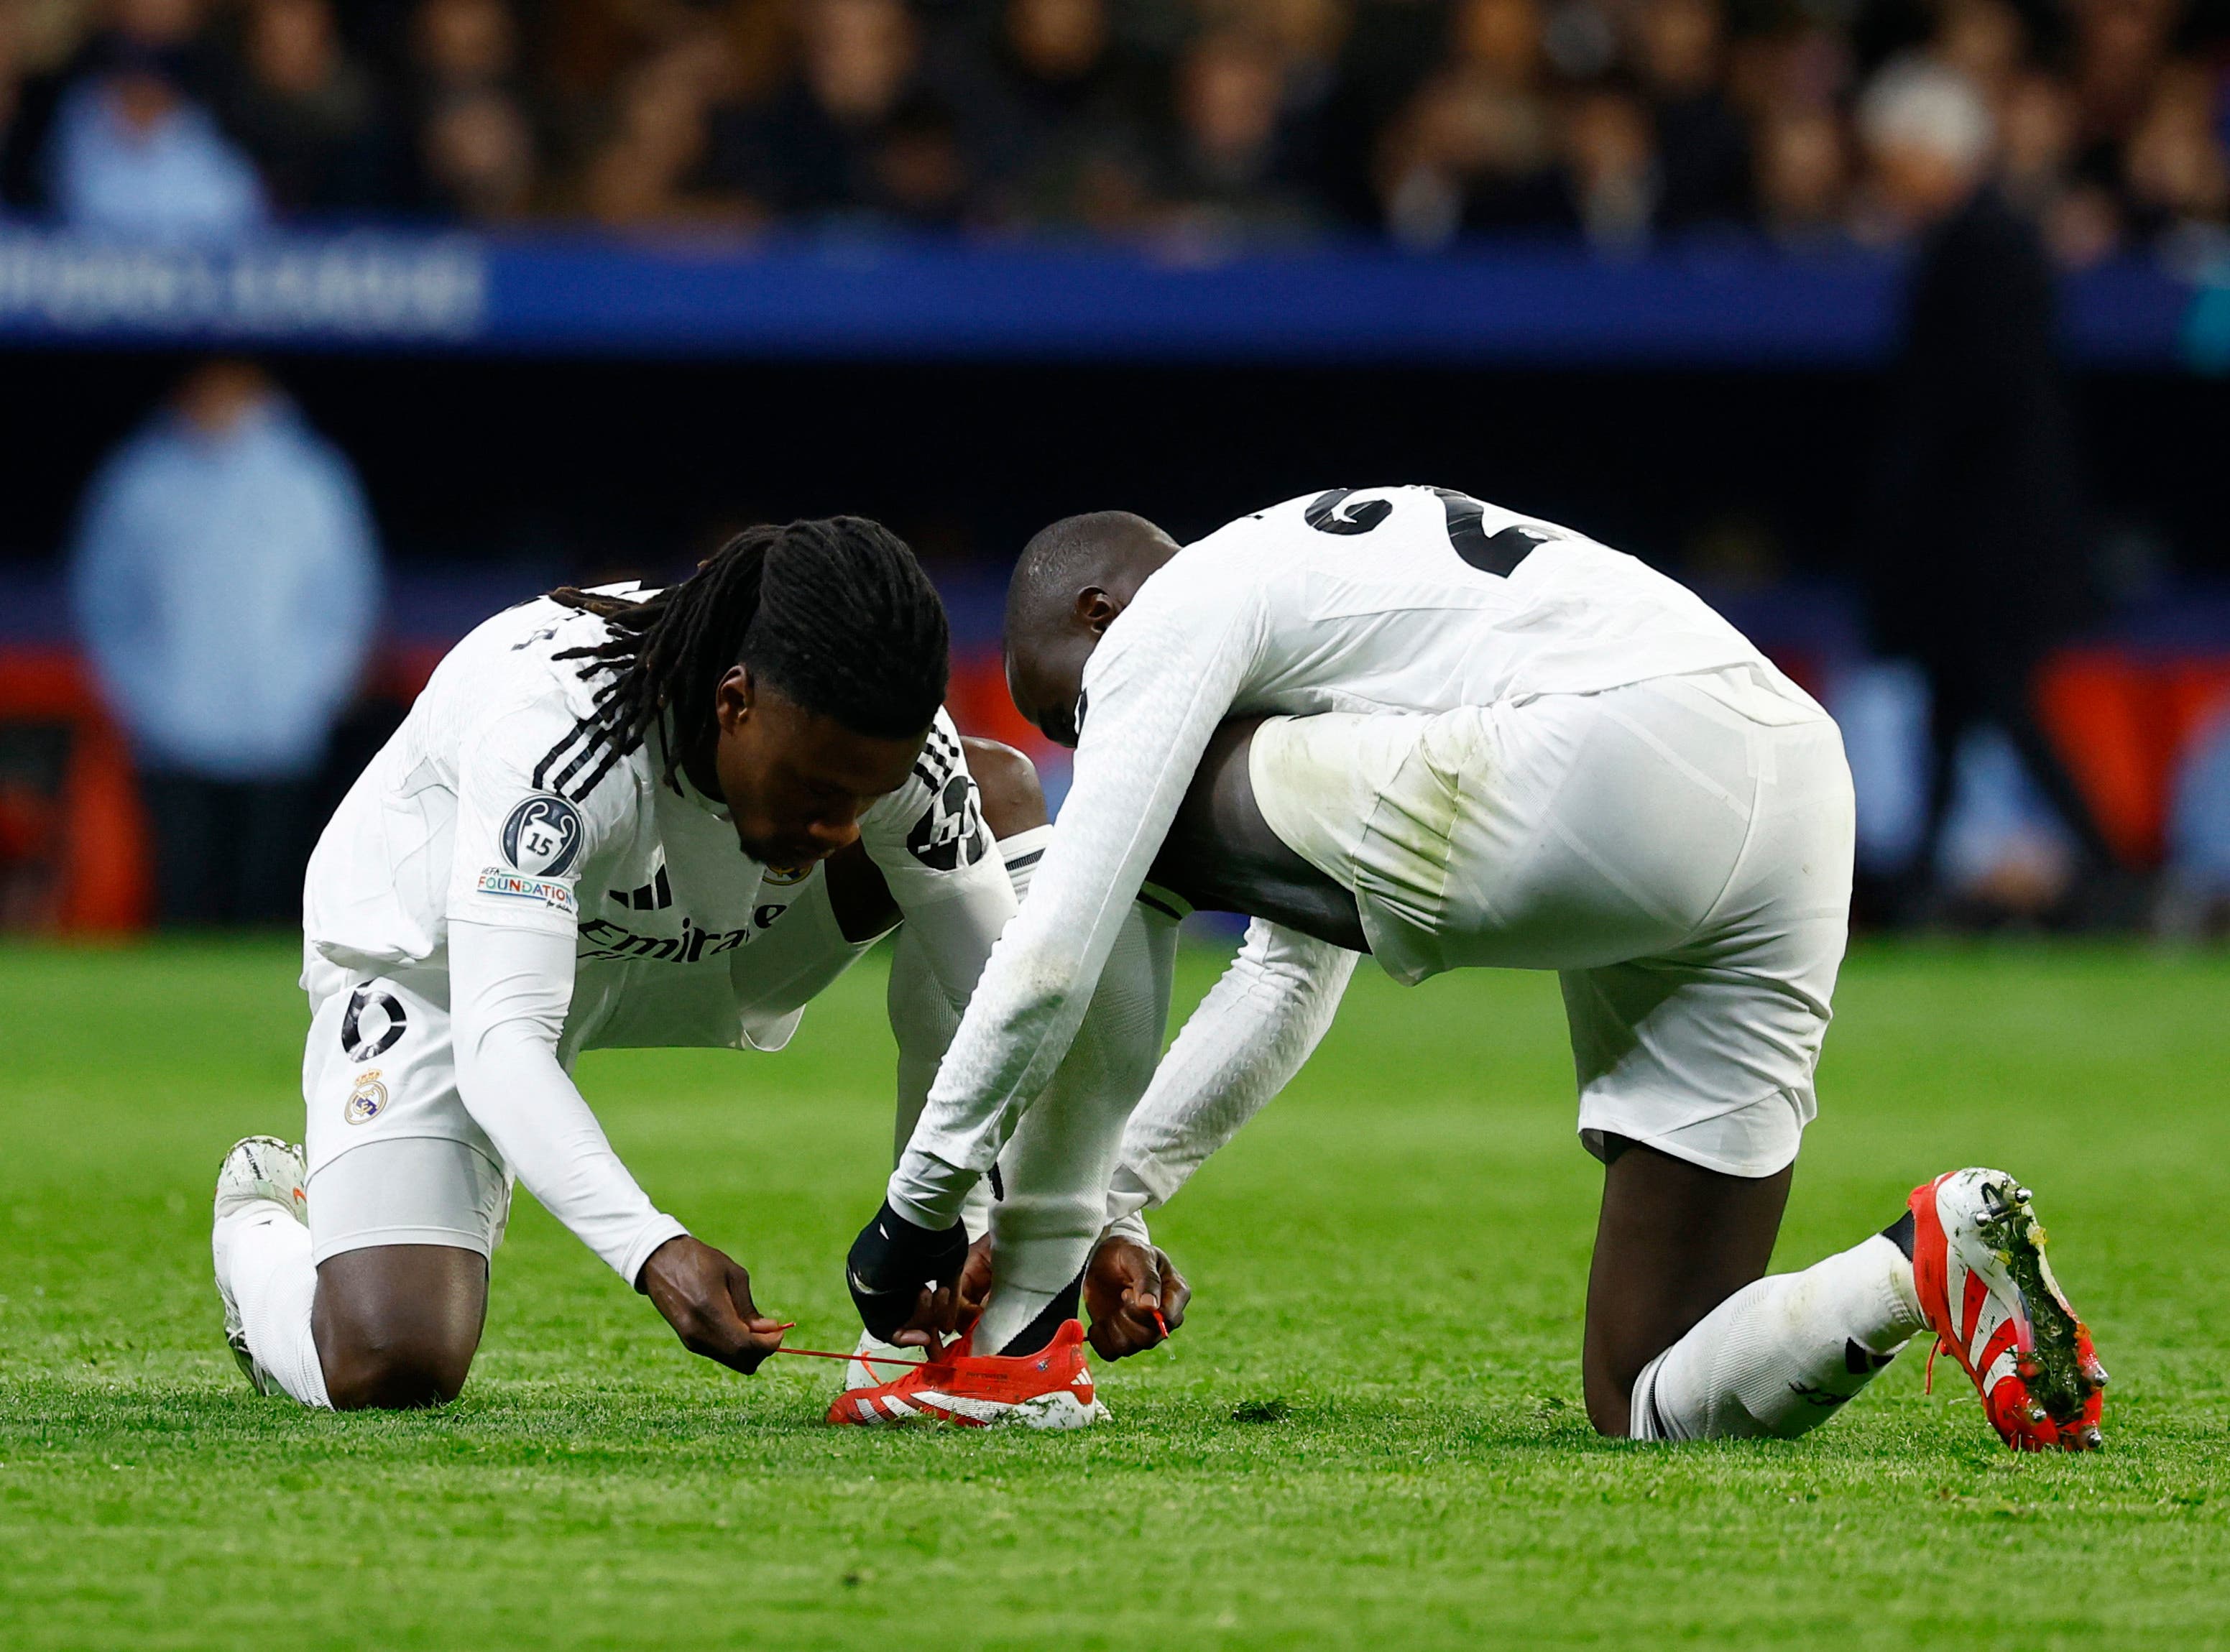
x=1780, y=1356
x=1054, y=1171
x=922, y=1020
x=262, y=1255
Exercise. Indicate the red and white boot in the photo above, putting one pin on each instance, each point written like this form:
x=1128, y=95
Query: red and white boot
x=1050, y=1389
x=1979, y=1266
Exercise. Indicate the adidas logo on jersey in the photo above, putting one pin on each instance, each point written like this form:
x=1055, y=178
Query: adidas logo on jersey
x=653, y=896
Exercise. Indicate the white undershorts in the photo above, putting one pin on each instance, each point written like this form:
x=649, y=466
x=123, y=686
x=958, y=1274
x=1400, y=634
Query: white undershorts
x=409, y=1190
x=394, y=1156
x=1678, y=850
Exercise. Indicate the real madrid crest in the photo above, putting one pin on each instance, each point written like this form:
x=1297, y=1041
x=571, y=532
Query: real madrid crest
x=367, y=1098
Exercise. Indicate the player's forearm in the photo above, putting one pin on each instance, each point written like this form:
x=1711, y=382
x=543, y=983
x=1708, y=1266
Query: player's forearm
x=1028, y=1006
x=1155, y=706
x=506, y=1011
x=1251, y=1034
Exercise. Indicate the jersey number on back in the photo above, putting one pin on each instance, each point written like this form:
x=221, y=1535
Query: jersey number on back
x=1496, y=554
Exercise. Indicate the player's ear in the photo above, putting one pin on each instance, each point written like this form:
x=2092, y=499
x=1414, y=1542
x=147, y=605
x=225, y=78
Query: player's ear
x=1096, y=610
x=733, y=700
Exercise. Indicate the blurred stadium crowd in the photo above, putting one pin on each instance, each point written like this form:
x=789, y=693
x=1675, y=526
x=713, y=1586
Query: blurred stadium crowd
x=1250, y=120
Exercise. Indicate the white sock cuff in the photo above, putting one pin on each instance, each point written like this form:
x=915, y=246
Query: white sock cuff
x=1642, y=1422
x=1007, y=1314
x=1890, y=1272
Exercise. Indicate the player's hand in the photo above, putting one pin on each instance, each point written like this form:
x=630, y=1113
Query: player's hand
x=947, y=1313
x=1124, y=1284
x=975, y=1286
x=706, y=1296
x=905, y=1280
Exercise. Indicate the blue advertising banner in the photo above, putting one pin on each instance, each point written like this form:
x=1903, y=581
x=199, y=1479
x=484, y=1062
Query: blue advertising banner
x=856, y=299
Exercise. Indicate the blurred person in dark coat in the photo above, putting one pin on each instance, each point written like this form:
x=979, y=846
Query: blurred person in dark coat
x=1703, y=153
x=227, y=581
x=310, y=114
x=1977, y=557
x=822, y=148
x=1055, y=106
x=1228, y=167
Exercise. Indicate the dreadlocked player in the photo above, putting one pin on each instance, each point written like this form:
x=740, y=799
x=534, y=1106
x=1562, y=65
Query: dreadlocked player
x=545, y=858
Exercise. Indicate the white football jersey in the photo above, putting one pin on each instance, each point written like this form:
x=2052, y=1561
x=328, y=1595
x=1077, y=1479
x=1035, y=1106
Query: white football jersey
x=1418, y=599
x=1372, y=600
x=499, y=801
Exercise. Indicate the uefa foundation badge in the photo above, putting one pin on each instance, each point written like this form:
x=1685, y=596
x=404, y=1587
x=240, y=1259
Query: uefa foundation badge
x=541, y=839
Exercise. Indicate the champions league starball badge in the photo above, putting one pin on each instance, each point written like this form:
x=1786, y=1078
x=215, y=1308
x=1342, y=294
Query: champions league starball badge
x=543, y=837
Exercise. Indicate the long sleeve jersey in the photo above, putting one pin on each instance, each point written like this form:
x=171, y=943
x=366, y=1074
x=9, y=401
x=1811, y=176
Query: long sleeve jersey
x=1403, y=599
x=499, y=851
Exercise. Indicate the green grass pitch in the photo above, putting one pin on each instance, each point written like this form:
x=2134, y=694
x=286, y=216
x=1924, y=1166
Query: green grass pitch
x=1394, y=1255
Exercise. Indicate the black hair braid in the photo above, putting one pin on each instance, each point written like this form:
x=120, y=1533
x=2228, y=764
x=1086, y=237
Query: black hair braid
x=835, y=615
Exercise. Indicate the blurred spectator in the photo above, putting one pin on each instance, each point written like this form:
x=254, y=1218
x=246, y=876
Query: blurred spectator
x=11, y=100
x=1229, y=168
x=1802, y=171
x=2177, y=179
x=475, y=143
x=226, y=581
x=2194, y=900
x=921, y=176
x=1059, y=113
x=821, y=148
x=1477, y=149
x=2119, y=47
x=1615, y=180
x=308, y=112
x=464, y=45
x=130, y=155
x=2081, y=220
x=658, y=165
x=1703, y=154
x=1427, y=119
x=478, y=155
x=1985, y=41
x=1976, y=558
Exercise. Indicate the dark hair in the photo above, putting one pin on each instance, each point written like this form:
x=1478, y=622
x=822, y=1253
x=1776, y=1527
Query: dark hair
x=835, y=615
x=1075, y=548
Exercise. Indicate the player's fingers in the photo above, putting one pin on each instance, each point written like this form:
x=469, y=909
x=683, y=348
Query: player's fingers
x=740, y=1289
x=946, y=1308
x=755, y=1349
x=714, y=1331
x=1174, y=1292
x=975, y=1286
x=931, y=1310
x=1114, y=1338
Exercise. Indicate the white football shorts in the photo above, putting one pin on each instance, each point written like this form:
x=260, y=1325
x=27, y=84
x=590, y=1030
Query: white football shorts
x=395, y=1157
x=1677, y=850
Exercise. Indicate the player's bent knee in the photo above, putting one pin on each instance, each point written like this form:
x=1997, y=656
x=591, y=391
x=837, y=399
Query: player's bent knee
x=397, y=1325
x=406, y=1377
x=1610, y=1403
x=1014, y=800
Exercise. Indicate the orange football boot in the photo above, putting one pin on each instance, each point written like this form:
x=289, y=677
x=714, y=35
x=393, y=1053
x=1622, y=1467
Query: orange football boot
x=1988, y=1294
x=1050, y=1389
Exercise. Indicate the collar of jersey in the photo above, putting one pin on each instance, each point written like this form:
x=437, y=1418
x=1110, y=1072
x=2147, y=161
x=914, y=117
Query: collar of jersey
x=682, y=783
